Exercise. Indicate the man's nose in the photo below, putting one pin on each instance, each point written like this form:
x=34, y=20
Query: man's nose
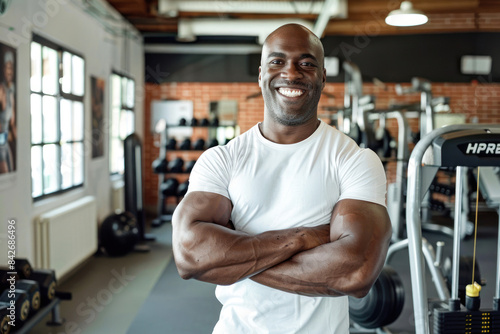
x=291, y=72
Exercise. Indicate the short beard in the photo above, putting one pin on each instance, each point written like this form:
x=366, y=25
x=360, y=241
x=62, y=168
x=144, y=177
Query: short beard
x=296, y=121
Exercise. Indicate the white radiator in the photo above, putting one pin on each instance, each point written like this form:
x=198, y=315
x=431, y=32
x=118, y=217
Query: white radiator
x=118, y=196
x=67, y=235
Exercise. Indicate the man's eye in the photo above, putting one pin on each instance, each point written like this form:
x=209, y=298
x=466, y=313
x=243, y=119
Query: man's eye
x=307, y=64
x=276, y=62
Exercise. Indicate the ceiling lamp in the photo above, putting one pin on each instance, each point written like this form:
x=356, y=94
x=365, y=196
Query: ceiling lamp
x=406, y=16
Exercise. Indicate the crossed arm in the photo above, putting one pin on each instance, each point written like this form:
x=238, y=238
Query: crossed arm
x=342, y=258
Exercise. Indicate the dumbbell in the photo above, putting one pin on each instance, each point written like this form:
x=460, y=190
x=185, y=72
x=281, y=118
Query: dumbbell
x=46, y=279
x=20, y=301
x=4, y=320
x=194, y=122
x=190, y=165
x=215, y=122
x=204, y=122
x=160, y=166
x=183, y=188
x=172, y=144
x=33, y=290
x=182, y=122
x=175, y=166
x=4, y=276
x=213, y=142
x=199, y=144
x=169, y=187
x=186, y=144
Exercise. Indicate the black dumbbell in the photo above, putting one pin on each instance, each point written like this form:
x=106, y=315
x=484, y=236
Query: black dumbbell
x=199, y=144
x=204, y=122
x=175, y=166
x=169, y=187
x=20, y=300
x=186, y=144
x=194, y=122
x=46, y=279
x=172, y=144
x=182, y=122
x=33, y=290
x=214, y=122
x=213, y=142
x=23, y=268
x=190, y=165
x=6, y=278
x=5, y=320
x=160, y=166
x=183, y=188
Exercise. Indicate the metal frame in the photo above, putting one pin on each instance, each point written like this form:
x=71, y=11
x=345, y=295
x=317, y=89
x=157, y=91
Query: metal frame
x=416, y=181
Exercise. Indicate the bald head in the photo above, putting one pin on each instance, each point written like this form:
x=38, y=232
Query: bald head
x=292, y=32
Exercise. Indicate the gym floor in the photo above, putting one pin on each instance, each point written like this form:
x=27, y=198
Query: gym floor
x=142, y=292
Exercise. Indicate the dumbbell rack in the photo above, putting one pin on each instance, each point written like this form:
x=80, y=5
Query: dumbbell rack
x=443, y=147
x=163, y=216
x=52, y=307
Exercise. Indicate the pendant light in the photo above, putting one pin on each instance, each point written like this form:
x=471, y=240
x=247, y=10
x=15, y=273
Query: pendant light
x=406, y=16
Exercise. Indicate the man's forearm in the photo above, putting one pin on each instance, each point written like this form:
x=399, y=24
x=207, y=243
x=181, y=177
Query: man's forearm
x=216, y=254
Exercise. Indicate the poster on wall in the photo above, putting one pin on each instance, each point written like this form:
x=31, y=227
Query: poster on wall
x=8, y=123
x=97, y=88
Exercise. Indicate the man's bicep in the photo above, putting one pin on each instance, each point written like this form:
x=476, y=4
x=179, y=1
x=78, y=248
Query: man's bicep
x=200, y=206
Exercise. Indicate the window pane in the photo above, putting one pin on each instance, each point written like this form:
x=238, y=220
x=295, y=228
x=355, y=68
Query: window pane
x=124, y=91
x=36, y=171
x=66, y=74
x=130, y=93
x=50, y=78
x=115, y=122
x=66, y=166
x=78, y=75
x=36, y=67
x=115, y=91
x=78, y=163
x=66, y=120
x=77, y=121
x=116, y=155
x=50, y=124
x=36, y=119
x=124, y=124
x=50, y=168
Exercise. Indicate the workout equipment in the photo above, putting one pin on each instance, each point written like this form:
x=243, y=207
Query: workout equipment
x=189, y=166
x=33, y=290
x=460, y=146
x=204, y=122
x=176, y=165
x=194, y=122
x=182, y=189
x=383, y=303
x=23, y=268
x=169, y=187
x=466, y=268
x=4, y=320
x=199, y=144
x=172, y=144
x=133, y=184
x=214, y=122
x=185, y=145
x=160, y=166
x=4, y=275
x=119, y=233
x=213, y=142
x=21, y=303
x=182, y=122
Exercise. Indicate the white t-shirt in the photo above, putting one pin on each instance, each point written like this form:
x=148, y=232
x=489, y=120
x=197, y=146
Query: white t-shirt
x=275, y=186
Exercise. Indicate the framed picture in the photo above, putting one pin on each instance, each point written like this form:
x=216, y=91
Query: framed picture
x=97, y=87
x=8, y=122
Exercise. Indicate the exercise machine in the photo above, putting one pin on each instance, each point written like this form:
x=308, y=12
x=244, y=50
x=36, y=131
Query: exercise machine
x=458, y=146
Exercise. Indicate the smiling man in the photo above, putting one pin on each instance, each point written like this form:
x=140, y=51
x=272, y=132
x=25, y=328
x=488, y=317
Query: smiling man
x=289, y=218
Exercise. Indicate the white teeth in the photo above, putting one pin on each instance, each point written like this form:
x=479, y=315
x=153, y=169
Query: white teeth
x=290, y=92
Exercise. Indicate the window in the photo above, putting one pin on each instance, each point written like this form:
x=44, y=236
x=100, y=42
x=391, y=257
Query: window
x=122, y=119
x=57, y=118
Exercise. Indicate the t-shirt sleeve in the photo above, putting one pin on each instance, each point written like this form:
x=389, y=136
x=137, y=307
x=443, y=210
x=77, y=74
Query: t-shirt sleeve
x=362, y=177
x=211, y=172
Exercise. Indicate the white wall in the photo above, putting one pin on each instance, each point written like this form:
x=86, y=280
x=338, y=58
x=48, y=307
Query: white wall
x=69, y=24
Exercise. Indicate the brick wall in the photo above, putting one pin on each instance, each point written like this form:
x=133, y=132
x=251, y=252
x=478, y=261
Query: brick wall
x=479, y=102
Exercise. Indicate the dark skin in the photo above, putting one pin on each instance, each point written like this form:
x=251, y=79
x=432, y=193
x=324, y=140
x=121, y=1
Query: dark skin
x=340, y=258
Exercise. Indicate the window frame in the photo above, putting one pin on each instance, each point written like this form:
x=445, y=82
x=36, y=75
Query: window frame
x=59, y=96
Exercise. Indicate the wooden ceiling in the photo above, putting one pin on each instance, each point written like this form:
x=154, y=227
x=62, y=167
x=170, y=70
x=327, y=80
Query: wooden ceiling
x=364, y=16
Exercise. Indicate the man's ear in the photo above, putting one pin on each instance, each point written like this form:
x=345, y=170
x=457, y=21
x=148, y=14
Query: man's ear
x=324, y=77
x=260, y=72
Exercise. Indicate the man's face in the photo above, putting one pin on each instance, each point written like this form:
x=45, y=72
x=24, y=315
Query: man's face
x=9, y=72
x=291, y=77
